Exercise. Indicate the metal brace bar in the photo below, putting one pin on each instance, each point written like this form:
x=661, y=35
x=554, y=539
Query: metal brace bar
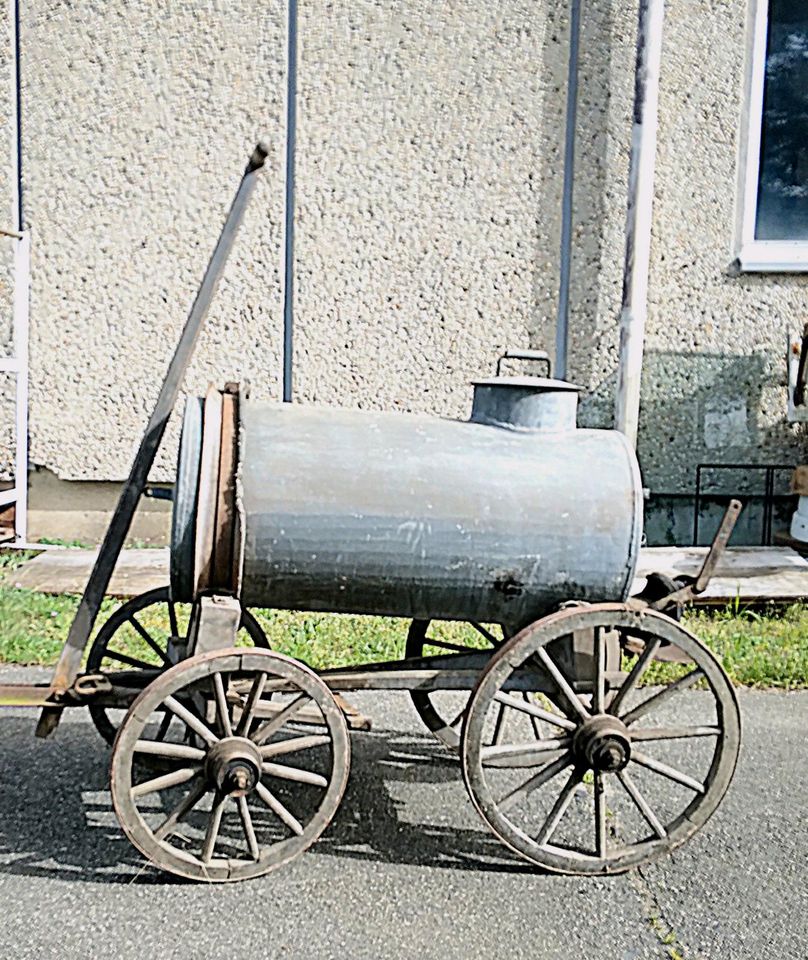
x=718, y=546
x=70, y=660
x=714, y=554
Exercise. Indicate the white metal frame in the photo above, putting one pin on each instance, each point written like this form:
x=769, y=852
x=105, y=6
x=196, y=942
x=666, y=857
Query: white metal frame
x=770, y=256
x=636, y=264
x=16, y=365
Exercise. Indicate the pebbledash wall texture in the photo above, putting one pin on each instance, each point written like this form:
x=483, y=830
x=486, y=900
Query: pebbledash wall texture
x=429, y=181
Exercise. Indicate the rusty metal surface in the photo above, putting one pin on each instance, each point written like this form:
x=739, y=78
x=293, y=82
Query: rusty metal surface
x=225, y=535
x=183, y=516
x=673, y=601
x=719, y=545
x=24, y=695
x=204, y=520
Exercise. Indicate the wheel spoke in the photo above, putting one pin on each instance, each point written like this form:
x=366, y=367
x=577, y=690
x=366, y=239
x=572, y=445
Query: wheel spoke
x=499, y=726
x=641, y=803
x=179, y=751
x=536, y=781
x=534, y=720
x=188, y=802
x=563, y=800
x=667, y=771
x=212, y=833
x=279, y=809
x=292, y=745
x=683, y=683
x=519, y=751
x=172, y=619
x=673, y=733
x=249, y=830
x=294, y=773
x=526, y=707
x=635, y=673
x=599, y=679
x=165, y=781
x=149, y=639
x=129, y=661
x=561, y=682
x=191, y=720
x=245, y=721
x=265, y=731
x=458, y=718
x=487, y=634
x=527, y=759
x=600, y=815
x=446, y=645
x=165, y=723
x=222, y=708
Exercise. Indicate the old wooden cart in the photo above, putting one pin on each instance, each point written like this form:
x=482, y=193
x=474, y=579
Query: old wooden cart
x=594, y=731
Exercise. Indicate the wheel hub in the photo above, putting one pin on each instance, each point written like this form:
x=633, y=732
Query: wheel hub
x=603, y=743
x=233, y=765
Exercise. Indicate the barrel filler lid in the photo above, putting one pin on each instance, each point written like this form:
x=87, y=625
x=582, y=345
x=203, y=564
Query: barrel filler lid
x=539, y=384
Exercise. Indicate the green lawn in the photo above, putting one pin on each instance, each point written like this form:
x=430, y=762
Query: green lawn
x=767, y=650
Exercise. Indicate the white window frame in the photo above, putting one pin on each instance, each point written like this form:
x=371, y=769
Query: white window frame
x=760, y=256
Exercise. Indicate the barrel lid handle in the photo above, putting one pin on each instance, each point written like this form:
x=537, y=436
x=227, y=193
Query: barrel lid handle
x=536, y=356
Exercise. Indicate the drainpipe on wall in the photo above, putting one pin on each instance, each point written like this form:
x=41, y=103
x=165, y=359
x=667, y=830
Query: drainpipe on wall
x=562, y=317
x=18, y=364
x=289, y=200
x=638, y=225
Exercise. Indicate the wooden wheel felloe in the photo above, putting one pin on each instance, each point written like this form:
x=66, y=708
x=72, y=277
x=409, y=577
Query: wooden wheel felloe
x=639, y=758
x=442, y=712
x=247, y=783
x=147, y=633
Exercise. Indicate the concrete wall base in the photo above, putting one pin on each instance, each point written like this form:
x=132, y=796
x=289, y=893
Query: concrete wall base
x=67, y=510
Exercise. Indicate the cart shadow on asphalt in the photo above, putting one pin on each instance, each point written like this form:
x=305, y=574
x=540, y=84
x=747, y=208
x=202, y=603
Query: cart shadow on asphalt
x=56, y=818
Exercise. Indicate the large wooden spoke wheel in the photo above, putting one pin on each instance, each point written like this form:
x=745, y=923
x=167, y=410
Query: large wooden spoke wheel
x=148, y=633
x=245, y=783
x=640, y=757
x=441, y=711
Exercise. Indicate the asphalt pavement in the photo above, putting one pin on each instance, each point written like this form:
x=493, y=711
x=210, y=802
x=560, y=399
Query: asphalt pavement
x=407, y=870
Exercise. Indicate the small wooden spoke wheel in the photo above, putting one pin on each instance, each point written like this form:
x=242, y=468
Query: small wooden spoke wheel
x=249, y=782
x=147, y=633
x=442, y=711
x=640, y=758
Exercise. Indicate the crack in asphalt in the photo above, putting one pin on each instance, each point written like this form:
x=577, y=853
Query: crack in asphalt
x=656, y=919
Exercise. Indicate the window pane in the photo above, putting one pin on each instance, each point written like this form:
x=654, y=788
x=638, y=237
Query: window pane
x=782, y=212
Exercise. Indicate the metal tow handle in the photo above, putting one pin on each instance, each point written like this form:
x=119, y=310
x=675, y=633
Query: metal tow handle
x=67, y=669
x=693, y=586
x=538, y=356
x=718, y=546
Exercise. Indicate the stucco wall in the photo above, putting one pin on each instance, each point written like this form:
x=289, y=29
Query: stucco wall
x=138, y=120
x=429, y=184
x=714, y=386
x=7, y=382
